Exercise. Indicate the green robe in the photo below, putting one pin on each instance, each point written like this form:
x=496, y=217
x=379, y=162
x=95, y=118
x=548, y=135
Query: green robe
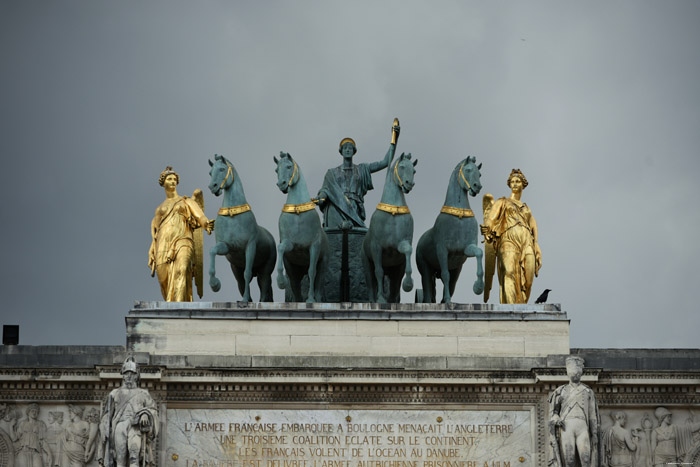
x=345, y=196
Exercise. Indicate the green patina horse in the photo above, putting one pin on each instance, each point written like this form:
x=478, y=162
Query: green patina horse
x=248, y=247
x=303, y=247
x=387, y=245
x=444, y=248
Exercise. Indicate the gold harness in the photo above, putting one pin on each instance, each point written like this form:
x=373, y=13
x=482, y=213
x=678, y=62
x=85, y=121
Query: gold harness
x=298, y=208
x=234, y=210
x=457, y=212
x=393, y=210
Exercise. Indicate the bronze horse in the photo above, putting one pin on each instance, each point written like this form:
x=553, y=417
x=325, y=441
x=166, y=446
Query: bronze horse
x=303, y=247
x=387, y=245
x=248, y=247
x=443, y=249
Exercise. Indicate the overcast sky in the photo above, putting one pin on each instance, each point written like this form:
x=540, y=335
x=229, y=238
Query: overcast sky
x=598, y=103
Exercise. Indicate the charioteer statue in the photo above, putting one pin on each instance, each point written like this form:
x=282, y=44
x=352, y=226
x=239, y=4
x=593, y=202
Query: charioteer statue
x=342, y=196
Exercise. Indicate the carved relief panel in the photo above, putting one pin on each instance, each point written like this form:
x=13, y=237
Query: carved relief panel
x=649, y=437
x=48, y=435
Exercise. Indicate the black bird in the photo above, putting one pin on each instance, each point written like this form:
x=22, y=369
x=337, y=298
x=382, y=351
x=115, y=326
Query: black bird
x=543, y=298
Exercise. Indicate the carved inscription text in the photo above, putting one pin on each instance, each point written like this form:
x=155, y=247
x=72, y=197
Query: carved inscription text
x=348, y=438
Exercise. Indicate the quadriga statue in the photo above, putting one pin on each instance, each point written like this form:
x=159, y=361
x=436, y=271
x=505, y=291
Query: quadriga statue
x=175, y=254
x=510, y=234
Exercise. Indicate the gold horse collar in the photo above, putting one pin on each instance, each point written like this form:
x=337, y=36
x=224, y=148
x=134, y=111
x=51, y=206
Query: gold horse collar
x=298, y=208
x=457, y=212
x=393, y=210
x=234, y=210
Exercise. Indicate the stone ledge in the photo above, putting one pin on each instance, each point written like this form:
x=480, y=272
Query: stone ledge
x=64, y=356
x=347, y=311
x=632, y=364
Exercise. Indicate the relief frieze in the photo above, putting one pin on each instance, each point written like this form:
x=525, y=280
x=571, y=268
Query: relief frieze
x=650, y=437
x=48, y=435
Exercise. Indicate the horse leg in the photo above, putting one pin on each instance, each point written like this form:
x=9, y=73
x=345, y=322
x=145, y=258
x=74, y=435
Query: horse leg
x=264, y=273
x=219, y=249
x=263, y=284
x=454, y=276
x=322, y=269
x=314, y=259
x=406, y=249
x=296, y=275
x=250, y=250
x=369, y=276
x=376, y=259
x=284, y=246
x=442, y=257
x=474, y=251
x=425, y=274
x=238, y=274
x=395, y=274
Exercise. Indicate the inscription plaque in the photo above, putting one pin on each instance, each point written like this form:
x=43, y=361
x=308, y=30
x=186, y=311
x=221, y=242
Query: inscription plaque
x=348, y=438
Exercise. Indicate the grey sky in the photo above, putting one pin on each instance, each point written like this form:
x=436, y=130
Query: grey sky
x=596, y=102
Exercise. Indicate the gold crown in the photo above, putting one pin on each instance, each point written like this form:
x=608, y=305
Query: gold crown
x=347, y=140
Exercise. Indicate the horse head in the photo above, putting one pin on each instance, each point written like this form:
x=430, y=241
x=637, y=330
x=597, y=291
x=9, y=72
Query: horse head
x=287, y=171
x=469, y=175
x=221, y=173
x=403, y=171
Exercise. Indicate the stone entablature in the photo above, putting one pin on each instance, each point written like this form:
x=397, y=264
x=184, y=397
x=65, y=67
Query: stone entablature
x=360, y=384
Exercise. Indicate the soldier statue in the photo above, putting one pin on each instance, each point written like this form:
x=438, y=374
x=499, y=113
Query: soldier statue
x=129, y=423
x=575, y=421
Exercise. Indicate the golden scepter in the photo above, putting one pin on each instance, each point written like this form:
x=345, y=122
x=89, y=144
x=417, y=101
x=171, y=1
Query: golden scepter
x=394, y=132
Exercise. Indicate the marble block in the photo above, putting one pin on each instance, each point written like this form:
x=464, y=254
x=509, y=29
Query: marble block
x=347, y=329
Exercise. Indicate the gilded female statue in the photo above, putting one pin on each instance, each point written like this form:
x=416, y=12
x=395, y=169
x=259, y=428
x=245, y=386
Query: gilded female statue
x=173, y=255
x=510, y=232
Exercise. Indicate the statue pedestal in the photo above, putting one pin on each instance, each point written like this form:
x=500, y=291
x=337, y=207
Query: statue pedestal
x=347, y=330
x=344, y=279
